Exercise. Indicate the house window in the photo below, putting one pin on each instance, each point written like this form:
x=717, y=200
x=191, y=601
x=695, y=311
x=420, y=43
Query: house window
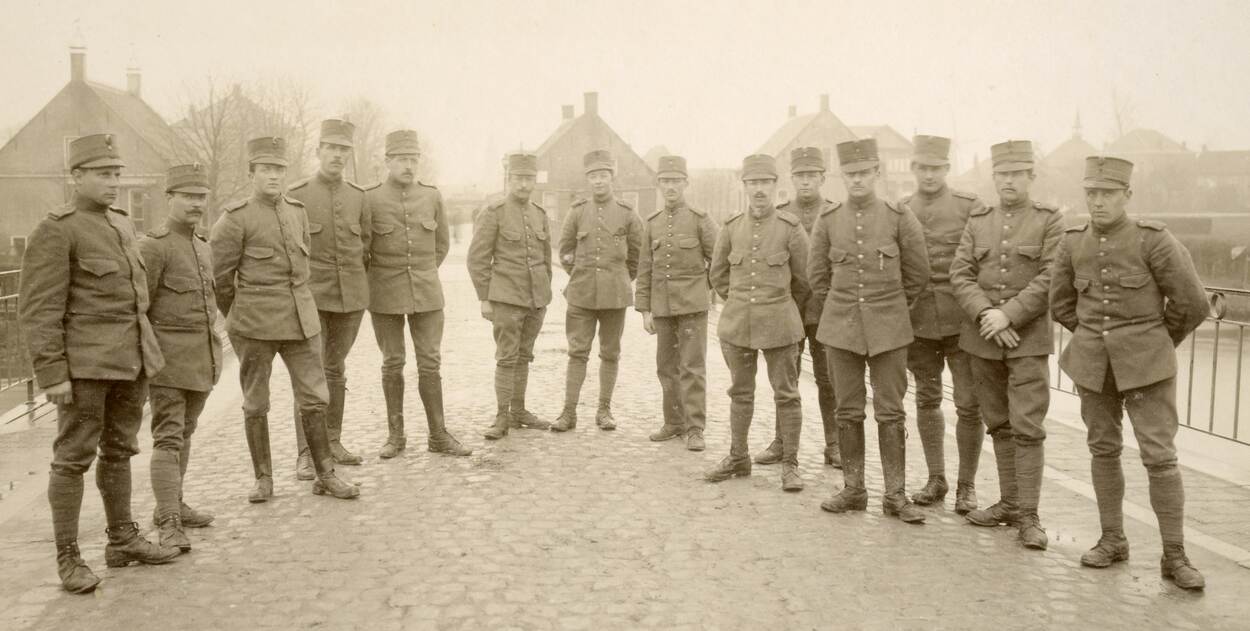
x=65, y=140
x=17, y=245
x=136, y=198
x=631, y=198
x=542, y=178
x=551, y=203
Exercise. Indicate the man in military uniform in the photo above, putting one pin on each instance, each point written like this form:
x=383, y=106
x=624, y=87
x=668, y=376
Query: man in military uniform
x=936, y=320
x=1129, y=293
x=180, y=284
x=338, y=222
x=807, y=174
x=409, y=243
x=83, y=305
x=759, y=267
x=672, y=296
x=1001, y=279
x=510, y=264
x=868, y=264
x=599, y=247
x=260, y=261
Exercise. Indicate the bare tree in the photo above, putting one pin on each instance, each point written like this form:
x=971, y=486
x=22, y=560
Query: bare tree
x=1123, y=110
x=286, y=108
x=210, y=133
x=372, y=124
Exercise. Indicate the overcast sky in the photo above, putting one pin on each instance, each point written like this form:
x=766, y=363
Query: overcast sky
x=709, y=79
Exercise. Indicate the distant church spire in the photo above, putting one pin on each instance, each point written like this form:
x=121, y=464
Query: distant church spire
x=1076, y=125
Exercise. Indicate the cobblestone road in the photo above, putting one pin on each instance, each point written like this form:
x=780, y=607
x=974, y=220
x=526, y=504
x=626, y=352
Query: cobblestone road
x=587, y=530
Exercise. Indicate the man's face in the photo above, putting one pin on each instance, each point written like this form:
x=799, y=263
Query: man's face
x=267, y=179
x=1013, y=186
x=760, y=194
x=807, y=185
x=520, y=187
x=403, y=167
x=861, y=184
x=99, y=185
x=333, y=158
x=673, y=189
x=1106, y=205
x=600, y=182
x=186, y=208
x=929, y=178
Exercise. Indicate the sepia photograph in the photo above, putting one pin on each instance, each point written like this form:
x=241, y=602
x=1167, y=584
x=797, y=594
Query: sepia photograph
x=891, y=314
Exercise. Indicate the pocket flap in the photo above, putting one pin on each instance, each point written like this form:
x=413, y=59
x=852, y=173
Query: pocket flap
x=655, y=245
x=690, y=242
x=258, y=251
x=581, y=234
x=837, y=255
x=1029, y=251
x=889, y=249
x=541, y=236
x=620, y=232
x=429, y=224
x=314, y=228
x=510, y=235
x=382, y=228
x=303, y=248
x=1134, y=281
x=779, y=258
x=99, y=267
x=1081, y=285
x=735, y=258
x=979, y=253
x=180, y=284
x=355, y=229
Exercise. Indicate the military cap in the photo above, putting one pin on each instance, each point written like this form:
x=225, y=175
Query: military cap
x=267, y=150
x=337, y=132
x=672, y=166
x=597, y=160
x=932, y=151
x=96, y=151
x=403, y=141
x=760, y=166
x=1107, y=172
x=858, y=155
x=1012, y=155
x=806, y=160
x=522, y=164
x=187, y=178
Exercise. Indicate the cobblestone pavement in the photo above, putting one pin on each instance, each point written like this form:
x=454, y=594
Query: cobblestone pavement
x=588, y=530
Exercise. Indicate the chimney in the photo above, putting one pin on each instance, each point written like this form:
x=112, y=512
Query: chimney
x=566, y=112
x=824, y=102
x=77, y=56
x=134, y=81
x=592, y=103
x=794, y=111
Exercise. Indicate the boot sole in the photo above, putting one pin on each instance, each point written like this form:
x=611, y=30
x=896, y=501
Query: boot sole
x=349, y=462
x=608, y=429
x=125, y=562
x=317, y=490
x=856, y=508
x=1196, y=588
x=964, y=510
x=660, y=440
x=449, y=453
x=304, y=477
x=767, y=461
x=722, y=478
x=1115, y=559
x=86, y=589
x=792, y=488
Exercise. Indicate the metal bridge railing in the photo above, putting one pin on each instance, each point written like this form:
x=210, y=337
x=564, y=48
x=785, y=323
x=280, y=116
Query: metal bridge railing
x=15, y=367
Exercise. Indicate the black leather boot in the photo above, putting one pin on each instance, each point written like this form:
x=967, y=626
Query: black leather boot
x=393, y=391
x=328, y=482
x=334, y=427
x=256, y=429
x=125, y=546
x=853, y=496
x=76, y=577
x=891, y=439
x=440, y=440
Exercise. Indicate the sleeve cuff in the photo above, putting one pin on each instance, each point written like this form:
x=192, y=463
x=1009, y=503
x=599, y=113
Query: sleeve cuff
x=52, y=374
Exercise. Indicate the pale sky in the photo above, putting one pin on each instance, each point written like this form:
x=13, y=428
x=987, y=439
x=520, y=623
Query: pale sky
x=710, y=79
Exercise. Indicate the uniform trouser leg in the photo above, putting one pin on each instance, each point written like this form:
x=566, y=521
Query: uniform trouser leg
x=507, y=326
x=255, y=367
x=611, y=327
x=169, y=414
x=826, y=396
x=579, y=331
x=530, y=328
x=742, y=363
x=308, y=379
x=990, y=379
x=925, y=361
x=426, y=330
x=388, y=331
x=887, y=372
x=783, y=375
x=969, y=429
x=1028, y=383
x=100, y=412
x=1103, y=414
x=848, y=369
x=667, y=360
x=338, y=335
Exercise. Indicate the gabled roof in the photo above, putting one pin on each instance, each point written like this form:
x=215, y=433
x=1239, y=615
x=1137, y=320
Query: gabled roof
x=137, y=114
x=1072, y=151
x=1144, y=141
x=551, y=141
x=653, y=155
x=887, y=137
x=786, y=134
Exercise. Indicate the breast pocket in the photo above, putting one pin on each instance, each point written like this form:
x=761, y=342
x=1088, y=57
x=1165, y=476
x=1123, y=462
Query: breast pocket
x=779, y=268
x=260, y=252
x=100, y=268
x=887, y=258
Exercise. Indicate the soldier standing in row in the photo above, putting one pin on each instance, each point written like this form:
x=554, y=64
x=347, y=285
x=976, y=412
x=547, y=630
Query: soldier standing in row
x=868, y=264
x=936, y=320
x=599, y=245
x=260, y=262
x=338, y=224
x=1001, y=278
x=83, y=305
x=180, y=284
x=409, y=243
x=807, y=173
x=510, y=264
x=759, y=269
x=673, y=298
x=1129, y=293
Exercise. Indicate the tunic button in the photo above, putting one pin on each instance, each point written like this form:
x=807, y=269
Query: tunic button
x=861, y=285
x=1106, y=302
x=861, y=299
x=860, y=255
x=1102, y=239
x=859, y=241
x=753, y=273
x=1106, y=287
x=1105, y=332
x=667, y=276
x=1102, y=254
x=752, y=300
x=1106, y=317
x=1104, y=270
x=1004, y=242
